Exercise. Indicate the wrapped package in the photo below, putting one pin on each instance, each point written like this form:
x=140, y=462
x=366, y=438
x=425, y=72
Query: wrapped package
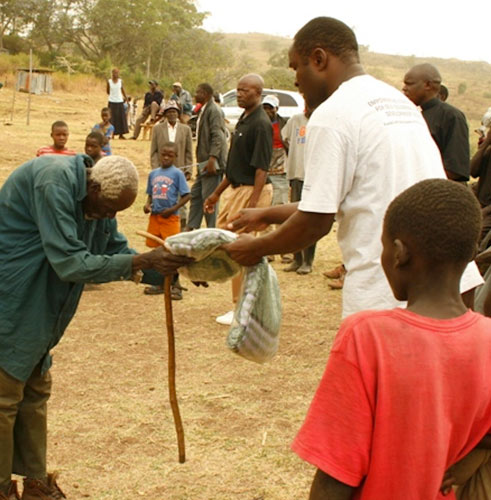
x=254, y=333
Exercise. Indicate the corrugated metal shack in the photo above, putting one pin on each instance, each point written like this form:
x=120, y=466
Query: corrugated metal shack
x=42, y=82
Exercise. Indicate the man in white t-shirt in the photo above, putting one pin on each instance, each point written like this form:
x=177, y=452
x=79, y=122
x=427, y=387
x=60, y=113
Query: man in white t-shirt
x=366, y=143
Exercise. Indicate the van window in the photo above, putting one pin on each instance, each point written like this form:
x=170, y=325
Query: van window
x=285, y=99
x=230, y=101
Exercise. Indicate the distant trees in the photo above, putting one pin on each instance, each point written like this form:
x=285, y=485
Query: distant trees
x=151, y=37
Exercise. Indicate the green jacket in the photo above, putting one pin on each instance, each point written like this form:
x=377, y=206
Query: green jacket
x=47, y=252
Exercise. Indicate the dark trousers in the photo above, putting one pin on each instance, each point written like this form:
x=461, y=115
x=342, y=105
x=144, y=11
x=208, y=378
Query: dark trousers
x=203, y=186
x=23, y=426
x=305, y=256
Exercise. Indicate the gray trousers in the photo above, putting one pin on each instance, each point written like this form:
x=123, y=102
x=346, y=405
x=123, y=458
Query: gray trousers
x=152, y=111
x=306, y=256
x=23, y=426
x=203, y=186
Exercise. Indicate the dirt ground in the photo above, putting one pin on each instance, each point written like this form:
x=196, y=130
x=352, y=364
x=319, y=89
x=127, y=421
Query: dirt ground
x=111, y=432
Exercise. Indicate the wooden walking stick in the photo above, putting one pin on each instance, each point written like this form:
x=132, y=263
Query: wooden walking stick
x=171, y=357
x=172, y=369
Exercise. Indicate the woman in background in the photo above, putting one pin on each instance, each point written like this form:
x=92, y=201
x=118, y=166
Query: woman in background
x=117, y=98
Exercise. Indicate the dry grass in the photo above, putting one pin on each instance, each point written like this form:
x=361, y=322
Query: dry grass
x=111, y=431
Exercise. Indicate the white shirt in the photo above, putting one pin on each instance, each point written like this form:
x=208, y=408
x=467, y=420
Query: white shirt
x=115, y=94
x=172, y=130
x=199, y=117
x=366, y=144
x=294, y=133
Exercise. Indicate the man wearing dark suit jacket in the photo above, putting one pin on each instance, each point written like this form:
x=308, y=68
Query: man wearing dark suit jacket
x=211, y=155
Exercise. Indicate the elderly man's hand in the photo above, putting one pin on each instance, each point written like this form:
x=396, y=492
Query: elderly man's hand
x=161, y=260
x=242, y=250
x=248, y=220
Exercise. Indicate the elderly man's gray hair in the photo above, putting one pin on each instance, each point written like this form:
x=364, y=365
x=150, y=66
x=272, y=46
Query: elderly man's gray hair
x=115, y=174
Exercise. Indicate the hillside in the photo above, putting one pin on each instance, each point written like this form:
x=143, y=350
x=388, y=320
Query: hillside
x=473, y=78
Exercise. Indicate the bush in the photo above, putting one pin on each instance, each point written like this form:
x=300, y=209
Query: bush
x=10, y=63
x=462, y=88
x=15, y=44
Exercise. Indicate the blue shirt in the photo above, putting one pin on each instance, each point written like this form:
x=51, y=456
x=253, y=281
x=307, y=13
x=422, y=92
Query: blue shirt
x=108, y=133
x=48, y=250
x=164, y=186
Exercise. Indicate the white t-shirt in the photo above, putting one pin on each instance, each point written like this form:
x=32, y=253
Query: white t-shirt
x=115, y=94
x=366, y=144
x=294, y=133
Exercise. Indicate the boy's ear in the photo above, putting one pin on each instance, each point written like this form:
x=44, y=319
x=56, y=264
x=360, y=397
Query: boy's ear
x=402, y=254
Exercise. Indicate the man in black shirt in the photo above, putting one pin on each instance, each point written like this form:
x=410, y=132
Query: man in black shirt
x=151, y=106
x=246, y=183
x=447, y=124
x=481, y=168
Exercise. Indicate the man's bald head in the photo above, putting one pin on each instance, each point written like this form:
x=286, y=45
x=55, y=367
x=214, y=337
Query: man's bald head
x=422, y=83
x=426, y=72
x=254, y=80
x=249, y=91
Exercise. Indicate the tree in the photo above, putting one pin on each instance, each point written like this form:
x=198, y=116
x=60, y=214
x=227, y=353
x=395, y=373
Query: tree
x=11, y=11
x=280, y=78
x=136, y=33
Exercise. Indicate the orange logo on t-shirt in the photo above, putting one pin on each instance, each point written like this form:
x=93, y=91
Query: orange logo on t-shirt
x=302, y=131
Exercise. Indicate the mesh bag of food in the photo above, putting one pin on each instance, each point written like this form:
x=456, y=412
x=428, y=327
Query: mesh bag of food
x=254, y=333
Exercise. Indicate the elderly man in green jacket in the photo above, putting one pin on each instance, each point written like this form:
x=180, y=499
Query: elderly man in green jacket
x=57, y=232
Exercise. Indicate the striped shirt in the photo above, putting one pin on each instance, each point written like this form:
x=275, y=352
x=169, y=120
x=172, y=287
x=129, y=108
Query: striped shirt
x=50, y=150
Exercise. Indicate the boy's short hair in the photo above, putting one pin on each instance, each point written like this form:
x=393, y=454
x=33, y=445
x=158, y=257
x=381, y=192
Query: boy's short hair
x=97, y=136
x=168, y=144
x=58, y=123
x=105, y=110
x=440, y=217
x=329, y=34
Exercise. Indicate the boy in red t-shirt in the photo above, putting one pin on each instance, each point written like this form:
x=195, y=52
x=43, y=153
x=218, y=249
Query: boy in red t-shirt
x=406, y=392
x=59, y=134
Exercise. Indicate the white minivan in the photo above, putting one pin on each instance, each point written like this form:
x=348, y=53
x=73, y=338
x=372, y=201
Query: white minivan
x=291, y=103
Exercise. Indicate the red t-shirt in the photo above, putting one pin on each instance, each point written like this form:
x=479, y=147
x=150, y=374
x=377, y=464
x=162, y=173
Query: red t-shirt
x=50, y=150
x=402, y=398
x=277, y=144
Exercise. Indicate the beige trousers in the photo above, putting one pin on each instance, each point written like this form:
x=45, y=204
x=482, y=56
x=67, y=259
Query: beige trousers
x=232, y=201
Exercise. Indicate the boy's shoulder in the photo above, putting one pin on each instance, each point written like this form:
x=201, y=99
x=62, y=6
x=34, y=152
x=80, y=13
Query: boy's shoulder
x=366, y=326
x=51, y=150
x=178, y=172
x=171, y=171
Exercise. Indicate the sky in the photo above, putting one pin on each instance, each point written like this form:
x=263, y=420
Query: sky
x=431, y=28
